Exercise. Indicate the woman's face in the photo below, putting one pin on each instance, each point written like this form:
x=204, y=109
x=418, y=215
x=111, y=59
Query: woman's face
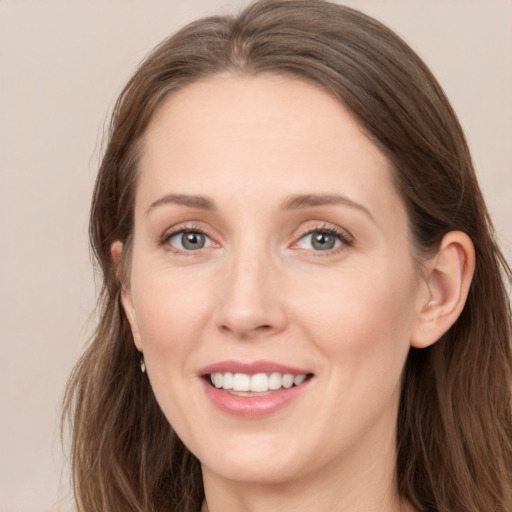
x=271, y=250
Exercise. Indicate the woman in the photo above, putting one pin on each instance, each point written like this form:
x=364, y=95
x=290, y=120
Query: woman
x=303, y=306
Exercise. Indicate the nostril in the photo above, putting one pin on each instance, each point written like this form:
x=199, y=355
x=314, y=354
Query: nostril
x=248, y=333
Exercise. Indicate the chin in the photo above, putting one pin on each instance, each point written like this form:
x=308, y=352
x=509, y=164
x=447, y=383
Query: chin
x=255, y=461
x=259, y=472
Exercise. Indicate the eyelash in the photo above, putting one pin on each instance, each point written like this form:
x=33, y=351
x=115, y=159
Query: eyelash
x=165, y=239
x=342, y=236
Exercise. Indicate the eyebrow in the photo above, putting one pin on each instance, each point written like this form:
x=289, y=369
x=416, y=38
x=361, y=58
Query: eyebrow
x=199, y=202
x=310, y=200
x=295, y=202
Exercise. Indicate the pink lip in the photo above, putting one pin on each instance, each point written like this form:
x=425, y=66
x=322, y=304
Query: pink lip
x=250, y=368
x=252, y=406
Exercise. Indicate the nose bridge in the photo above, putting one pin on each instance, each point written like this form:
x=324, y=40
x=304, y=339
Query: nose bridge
x=250, y=303
x=251, y=267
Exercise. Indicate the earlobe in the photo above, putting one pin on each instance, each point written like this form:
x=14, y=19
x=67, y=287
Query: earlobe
x=116, y=250
x=447, y=280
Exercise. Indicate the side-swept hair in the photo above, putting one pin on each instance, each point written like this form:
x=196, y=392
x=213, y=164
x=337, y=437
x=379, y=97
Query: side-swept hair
x=454, y=431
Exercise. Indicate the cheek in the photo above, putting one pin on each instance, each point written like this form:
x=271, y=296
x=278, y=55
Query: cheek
x=362, y=321
x=361, y=329
x=170, y=316
x=174, y=315
x=167, y=313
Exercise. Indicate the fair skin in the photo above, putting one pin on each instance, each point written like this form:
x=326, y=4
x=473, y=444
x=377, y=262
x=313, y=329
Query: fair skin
x=267, y=228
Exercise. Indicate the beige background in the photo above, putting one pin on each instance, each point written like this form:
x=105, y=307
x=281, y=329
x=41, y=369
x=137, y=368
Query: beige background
x=62, y=64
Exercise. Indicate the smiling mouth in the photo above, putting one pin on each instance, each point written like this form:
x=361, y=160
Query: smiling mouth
x=258, y=384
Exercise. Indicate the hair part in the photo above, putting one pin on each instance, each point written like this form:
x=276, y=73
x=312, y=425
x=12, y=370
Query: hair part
x=454, y=432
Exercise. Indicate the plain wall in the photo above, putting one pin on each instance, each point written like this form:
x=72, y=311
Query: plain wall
x=62, y=63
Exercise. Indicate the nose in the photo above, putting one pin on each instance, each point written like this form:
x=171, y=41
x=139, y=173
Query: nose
x=251, y=303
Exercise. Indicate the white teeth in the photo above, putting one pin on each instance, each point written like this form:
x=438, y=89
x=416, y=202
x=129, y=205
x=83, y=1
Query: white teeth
x=241, y=382
x=217, y=380
x=299, y=379
x=287, y=380
x=275, y=381
x=257, y=383
x=227, y=381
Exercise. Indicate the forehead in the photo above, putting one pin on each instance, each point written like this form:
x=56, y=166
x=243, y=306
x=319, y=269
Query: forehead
x=236, y=136
x=265, y=107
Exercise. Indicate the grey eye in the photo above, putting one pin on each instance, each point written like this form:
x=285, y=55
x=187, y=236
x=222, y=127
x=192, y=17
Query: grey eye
x=189, y=240
x=322, y=241
x=319, y=241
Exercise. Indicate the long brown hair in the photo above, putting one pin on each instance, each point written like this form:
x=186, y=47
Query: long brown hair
x=454, y=432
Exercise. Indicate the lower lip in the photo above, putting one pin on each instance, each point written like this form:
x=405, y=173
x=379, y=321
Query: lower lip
x=254, y=406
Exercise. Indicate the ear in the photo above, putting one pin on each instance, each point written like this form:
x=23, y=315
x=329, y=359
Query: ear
x=447, y=280
x=116, y=250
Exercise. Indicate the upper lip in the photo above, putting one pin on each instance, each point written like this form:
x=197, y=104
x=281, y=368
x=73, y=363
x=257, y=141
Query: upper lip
x=251, y=368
